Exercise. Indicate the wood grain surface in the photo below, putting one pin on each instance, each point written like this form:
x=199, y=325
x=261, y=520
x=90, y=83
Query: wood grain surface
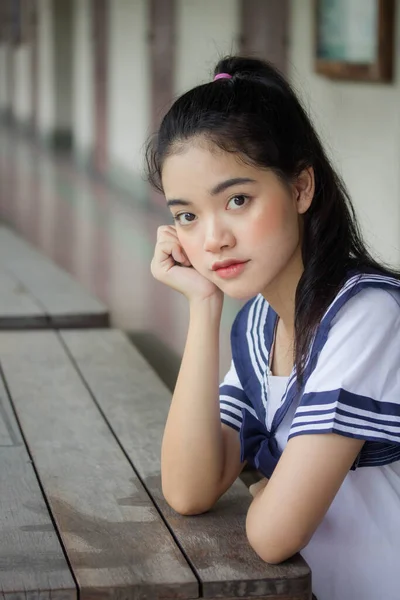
x=61, y=299
x=32, y=562
x=18, y=308
x=117, y=544
x=135, y=403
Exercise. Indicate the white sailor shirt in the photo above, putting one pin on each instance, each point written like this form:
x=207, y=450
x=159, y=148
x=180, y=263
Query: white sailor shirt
x=351, y=387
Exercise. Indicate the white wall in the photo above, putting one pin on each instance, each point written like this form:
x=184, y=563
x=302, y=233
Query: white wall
x=206, y=31
x=22, y=108
x=361, y=124
x=82, y=82
x=129, y=83
x=46, y=74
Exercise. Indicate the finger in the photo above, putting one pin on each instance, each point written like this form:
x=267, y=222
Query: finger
x=257, y=487
x=252, y=490
x=164, y=249
x=169, y=237
x=183, y=260
x=159, y=266
x=179, y=256
x=166, y=230
x=167, y=254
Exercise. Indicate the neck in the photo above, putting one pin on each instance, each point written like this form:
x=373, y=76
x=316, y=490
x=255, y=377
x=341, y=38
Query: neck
x=281, y=292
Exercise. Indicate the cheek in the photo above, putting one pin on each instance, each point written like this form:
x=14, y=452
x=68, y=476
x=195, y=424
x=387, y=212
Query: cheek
x=191, y=246
x=277, y=222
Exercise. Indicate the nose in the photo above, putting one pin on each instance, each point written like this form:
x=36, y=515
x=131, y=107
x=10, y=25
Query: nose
x=217, y=236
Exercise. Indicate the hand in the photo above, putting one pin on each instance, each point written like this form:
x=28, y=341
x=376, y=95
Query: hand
x=258, y=487
x=171, y=266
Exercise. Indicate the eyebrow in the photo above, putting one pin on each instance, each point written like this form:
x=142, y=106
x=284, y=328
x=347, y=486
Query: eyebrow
x=179, y=202
x=220, y=187
x=224, y=185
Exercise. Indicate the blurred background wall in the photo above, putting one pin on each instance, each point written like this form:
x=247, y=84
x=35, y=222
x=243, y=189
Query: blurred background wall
x=83, y=83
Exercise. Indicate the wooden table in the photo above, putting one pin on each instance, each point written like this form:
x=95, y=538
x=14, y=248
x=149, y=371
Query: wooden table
x=81, y=509
x=36, y=294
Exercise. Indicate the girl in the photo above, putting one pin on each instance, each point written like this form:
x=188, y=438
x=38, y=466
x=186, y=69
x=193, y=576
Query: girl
x=312, y=398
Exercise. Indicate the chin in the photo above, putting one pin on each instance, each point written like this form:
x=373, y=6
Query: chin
x=244, y=288
x=240, y=291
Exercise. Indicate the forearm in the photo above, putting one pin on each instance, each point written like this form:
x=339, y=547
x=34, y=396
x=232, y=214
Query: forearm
x=192, y=450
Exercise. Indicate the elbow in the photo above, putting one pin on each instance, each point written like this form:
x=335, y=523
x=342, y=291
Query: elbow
x=186, y=504
x=187, y=509
x=271, y=554
x=271, y=547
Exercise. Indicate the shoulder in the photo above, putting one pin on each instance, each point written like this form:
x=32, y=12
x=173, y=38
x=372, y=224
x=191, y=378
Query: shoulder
x=352, y=385
x=358, y=336
x=369, y=306
x=365, y=295
x=360, y=350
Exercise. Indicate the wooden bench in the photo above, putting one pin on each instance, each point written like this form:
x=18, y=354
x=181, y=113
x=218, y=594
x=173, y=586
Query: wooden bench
x=36, y=294
x=81, y=509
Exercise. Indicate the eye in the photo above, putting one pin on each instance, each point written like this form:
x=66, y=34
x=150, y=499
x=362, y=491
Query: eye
x=238, y=202
x=184, y=218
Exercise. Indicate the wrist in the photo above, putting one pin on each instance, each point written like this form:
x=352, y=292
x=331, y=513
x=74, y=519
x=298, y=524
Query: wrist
x=210, y=306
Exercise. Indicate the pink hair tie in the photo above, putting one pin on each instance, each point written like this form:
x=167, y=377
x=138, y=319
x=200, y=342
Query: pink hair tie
x=222, y=76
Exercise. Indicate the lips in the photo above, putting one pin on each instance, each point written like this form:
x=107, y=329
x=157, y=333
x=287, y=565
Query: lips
x=229, y=269
x=223, y=264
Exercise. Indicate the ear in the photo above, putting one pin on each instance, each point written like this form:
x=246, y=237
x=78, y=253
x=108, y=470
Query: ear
x=304, y=188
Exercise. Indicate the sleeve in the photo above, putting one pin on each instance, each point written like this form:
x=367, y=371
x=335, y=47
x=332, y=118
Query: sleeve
x=233, y=400
x=354, y=389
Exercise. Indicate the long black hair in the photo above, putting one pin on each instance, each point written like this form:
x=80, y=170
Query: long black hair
x=257, y=115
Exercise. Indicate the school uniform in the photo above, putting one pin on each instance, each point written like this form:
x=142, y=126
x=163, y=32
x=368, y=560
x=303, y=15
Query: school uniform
x=351, y=387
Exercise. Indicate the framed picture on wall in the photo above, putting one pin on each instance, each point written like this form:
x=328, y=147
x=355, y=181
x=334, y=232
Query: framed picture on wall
x=354, y=39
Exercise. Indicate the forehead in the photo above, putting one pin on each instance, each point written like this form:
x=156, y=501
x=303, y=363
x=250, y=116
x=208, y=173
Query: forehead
x=200, y=166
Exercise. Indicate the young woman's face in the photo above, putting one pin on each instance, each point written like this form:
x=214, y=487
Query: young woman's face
x=238, y=224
